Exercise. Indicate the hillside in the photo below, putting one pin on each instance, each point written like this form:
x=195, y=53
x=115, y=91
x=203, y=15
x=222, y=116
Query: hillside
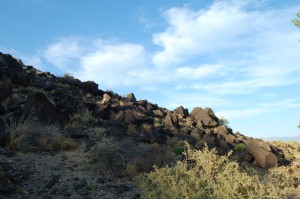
x=63, y=138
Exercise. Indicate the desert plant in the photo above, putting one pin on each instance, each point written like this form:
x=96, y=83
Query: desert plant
x=113, y=154
x=28, y=135
x=204, y=174
x=178, y=150
x=82, y=116
x=240, y=147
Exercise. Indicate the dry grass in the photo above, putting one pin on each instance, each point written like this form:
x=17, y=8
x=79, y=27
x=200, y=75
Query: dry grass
x=113, y=155
x=27, y=135
x=82, y=116
x=204, y=174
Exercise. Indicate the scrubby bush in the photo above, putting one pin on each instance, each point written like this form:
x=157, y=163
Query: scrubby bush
x=113, y=154
x=204, y=174
x=27, y=135
x=240, y=147
x=82, y=116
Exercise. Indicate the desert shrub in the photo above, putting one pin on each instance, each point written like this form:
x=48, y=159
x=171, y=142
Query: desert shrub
x=178, y=150
x=27, y=135
x=82, y=116
x=204, y=174
x=113, y=154
x=240, y=147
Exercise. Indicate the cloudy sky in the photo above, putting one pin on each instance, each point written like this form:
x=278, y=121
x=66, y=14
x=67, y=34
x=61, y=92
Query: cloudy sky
x=239, y=57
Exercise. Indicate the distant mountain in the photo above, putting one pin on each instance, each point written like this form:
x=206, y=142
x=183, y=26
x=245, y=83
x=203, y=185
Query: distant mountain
x=286, y=139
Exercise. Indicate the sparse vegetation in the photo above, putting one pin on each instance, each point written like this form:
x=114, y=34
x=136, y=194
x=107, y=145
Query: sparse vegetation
x=27, y=135
x=240, y=147
x=113, y=155
x=204, y=174
x=82, y=116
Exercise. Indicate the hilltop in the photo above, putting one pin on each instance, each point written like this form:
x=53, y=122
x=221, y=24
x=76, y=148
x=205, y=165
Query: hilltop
x=60, y=137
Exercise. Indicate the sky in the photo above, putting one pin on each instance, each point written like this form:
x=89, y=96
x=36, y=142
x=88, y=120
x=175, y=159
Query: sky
x=238, y=57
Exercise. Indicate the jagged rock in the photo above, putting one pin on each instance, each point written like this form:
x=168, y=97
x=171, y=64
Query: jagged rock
x=106, y=98
x=211, y=140
x=68, y=103
x=127, y=117
x=38, y=105
x=102, y=111
x=226, y=134
x=263, y=158
x=143, y=103
x=131, y=97
x=204, y=118
x=158, y=113
x=197, y=134
x=90, y=87
x=2, y=109
x=171, y=121
x=21, y=80
x=151, y=106
x=181, y=111
x=9, y=64
x=3, y=134
x=5, y=92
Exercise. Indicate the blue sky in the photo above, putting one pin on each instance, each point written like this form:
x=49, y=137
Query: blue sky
x=239, y=57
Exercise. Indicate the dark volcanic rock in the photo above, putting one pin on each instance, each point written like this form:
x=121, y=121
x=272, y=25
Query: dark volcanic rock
x=38, y=104
x=227, y=134
x=21, y=80
x=263, y=158
x=204, y=118
x=68, y=103
x=102, y=111
x=171, y=121
x=11, y=65
x=181, y=111
x=3, y=134
x=2, y=109
x=90, y=87
x=5, y=92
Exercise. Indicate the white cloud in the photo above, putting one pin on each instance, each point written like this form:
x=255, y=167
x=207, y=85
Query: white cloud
x=198, y=73
x=111, y=65
x=65, y=53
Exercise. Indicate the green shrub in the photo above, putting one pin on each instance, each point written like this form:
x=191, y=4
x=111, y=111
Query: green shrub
x=178, y=150
x=26, y=135
x=240, y=147
x=204, y=174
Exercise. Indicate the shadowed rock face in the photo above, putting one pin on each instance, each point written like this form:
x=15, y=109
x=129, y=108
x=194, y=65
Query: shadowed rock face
x=39, y=106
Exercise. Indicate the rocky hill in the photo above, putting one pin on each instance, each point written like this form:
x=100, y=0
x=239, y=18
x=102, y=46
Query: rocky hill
x=42, y=115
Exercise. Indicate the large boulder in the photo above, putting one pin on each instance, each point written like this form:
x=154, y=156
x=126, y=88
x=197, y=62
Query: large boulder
x=204, y=118
x=68, y=103
x=127, y=117
x=227, y=134
x=263, y=158
x=131, y=97
x=102, y=111
x=90, y=87
x=182, y=112
x=39, y=105
x=171, y=121
x=106, y=98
